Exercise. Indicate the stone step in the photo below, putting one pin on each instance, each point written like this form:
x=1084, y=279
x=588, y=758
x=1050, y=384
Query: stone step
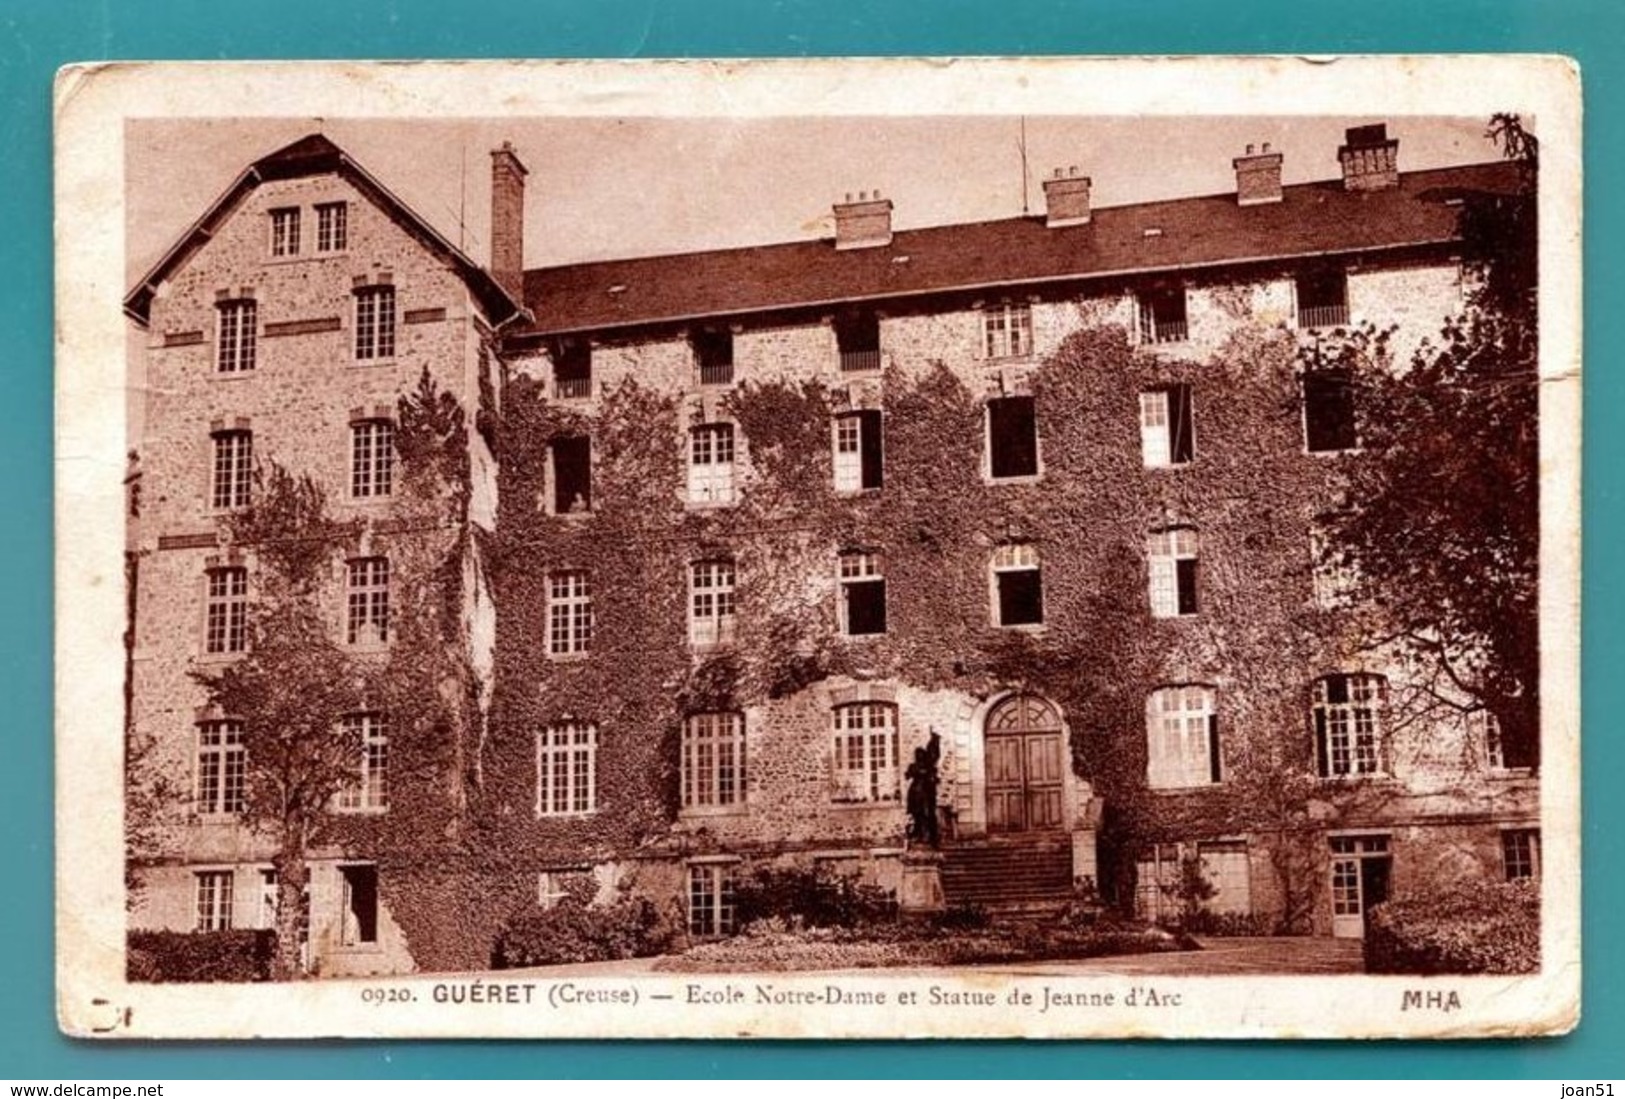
x=1010, y=878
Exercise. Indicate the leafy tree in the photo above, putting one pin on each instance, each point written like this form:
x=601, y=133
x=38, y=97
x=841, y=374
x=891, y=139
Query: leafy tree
x=289, y=690
x=1440, y=525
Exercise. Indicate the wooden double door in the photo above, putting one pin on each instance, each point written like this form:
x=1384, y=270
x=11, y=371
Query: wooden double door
x=1025, y=751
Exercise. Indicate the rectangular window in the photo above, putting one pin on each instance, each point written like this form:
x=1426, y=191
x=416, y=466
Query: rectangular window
x=1166, y=435
x=1520, y=853
x=265, y=914
x=713, y=763
x=572, y=369
x=711, y=900
x=1012, y=435
x=866, y=752
x=226, y=615
x=233, y=469
x=1333, y=576
x=214, y=900
x=1156, y=883
x=1182, y=738
x=285, y=231
x=711, y=464
x=857, y=337
x=1172, y=556
x=571, y=461
x=859, y=464
x=1323, y=299
x=1225, y=865
x=1018, y=586
x=711, y=603
x=569, y=613
x=220, y=768
x=372, y=459
x=566, y=769
x=1008, y=330
x=367, y=601
x=332, y=226
x=1162, y=315
x=714, y=355
x=370, y=794
x=359, y=926
x=552, y=886
x=1348, y=725
x=236, y=335
x=1488, y=731
x=1328, y=412
x=863, y=595
x=375, y=322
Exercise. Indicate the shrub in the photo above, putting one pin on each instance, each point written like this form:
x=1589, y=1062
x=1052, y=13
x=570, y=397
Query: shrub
x=1230, y=924
x=574, y=931
x=811, y=897
x=1478, y=927
x=189, y=956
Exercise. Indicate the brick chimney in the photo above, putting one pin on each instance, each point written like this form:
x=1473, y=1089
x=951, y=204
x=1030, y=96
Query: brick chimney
x=865, y=223
x=1370, y=158
x=1066, y=199
x=1258, y=177
x=508, y=220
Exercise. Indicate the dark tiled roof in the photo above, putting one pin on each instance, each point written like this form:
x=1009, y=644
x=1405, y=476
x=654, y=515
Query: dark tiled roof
x=311, y=155
x=1312, y=219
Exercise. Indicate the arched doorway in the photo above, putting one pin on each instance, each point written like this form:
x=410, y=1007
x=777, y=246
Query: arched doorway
x=1026, y=764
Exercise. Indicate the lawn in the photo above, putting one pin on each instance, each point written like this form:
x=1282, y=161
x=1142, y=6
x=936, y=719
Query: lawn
x=771, y=947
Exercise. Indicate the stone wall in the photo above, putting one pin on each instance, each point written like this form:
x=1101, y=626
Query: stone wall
x=299, y=401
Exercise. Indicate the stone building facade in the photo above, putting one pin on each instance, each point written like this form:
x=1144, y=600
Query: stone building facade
x=284, y=328
x=752, y=527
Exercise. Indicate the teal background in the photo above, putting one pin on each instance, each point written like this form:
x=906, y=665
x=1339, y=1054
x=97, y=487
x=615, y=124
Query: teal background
x=36, y=39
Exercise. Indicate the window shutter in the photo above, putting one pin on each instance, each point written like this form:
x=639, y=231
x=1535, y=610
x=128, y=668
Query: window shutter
x=1213, y=747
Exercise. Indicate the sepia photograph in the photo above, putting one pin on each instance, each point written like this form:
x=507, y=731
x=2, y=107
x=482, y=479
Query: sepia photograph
x=826, y=549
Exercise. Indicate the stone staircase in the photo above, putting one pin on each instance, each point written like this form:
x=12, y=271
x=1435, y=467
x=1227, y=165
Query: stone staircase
x=1009, y=876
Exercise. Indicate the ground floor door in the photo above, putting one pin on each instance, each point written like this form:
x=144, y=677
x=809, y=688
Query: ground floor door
x=1361, y=867
x=1025, y=754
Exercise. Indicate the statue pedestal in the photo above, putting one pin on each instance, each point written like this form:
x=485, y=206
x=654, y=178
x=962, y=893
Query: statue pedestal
x=920, y=892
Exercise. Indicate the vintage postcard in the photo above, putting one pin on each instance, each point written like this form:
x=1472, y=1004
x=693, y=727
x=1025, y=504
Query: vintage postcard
x=980, y=548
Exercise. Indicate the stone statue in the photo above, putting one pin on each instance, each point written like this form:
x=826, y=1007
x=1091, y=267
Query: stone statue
x=922, y=792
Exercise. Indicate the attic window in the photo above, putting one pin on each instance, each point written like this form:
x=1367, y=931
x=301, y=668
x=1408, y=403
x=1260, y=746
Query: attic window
x=572, y=369
x=714, y=355
x=1323, y=299
x=332, y=226
x=1162, y=315
x=285, y=232
x=857, y=337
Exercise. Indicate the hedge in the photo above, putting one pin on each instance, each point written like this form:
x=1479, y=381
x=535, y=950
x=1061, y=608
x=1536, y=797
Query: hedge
x=190, y=956
x=1478, y=927
x=632, y=927
x=803, y=897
